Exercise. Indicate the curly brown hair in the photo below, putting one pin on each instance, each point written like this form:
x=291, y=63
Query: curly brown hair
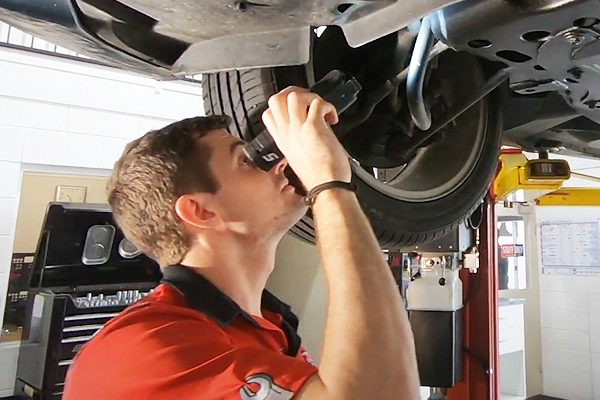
x=151, y=174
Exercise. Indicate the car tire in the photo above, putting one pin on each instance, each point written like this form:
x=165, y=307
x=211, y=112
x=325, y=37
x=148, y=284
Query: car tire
x=243, y=96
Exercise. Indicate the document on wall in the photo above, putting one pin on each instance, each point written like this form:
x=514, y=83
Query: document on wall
x=570, y=248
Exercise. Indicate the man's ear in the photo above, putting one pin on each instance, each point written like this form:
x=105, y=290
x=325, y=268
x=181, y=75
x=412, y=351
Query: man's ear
x=195, y=210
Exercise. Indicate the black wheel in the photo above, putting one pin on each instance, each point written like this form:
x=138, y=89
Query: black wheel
x=410, y=198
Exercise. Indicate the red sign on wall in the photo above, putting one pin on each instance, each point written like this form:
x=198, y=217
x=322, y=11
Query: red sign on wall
x=512, y=250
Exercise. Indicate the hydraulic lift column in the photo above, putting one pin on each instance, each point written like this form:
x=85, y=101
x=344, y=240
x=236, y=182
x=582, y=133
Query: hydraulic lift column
x=539, y=181
x=435, y=298
x=480, y=334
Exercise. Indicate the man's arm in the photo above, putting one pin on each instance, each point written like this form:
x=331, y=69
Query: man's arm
x=368, y=350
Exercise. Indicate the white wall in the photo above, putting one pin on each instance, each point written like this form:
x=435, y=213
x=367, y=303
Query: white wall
x=60, y=115
x=299, y=281
x=570, y=320
x=570, y=308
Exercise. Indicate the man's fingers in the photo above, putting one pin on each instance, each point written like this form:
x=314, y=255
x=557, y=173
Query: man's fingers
x=298, y=107
x=279, y=109
x=294, y=106
x=278, y=103
x=270, y=124
x=320, y=109
x=289, y=89
x=300, y=103
x=332, y=117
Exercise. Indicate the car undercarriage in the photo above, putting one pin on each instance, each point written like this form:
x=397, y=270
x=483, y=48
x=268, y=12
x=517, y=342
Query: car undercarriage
x=445, y=83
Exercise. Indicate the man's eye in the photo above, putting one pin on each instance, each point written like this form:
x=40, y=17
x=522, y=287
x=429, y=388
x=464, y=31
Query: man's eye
x=246, y=160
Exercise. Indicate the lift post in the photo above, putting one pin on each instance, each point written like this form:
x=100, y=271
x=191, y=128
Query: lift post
x=480, y=337
x=539, y=182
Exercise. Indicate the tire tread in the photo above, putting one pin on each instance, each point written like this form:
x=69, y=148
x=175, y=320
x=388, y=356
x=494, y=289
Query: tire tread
x=239, y=93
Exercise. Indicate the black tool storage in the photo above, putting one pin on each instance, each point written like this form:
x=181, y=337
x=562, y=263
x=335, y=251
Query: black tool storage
x=85, y=272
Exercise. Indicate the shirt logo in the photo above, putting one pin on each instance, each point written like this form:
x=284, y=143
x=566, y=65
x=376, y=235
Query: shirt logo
x=308, y=358
x=262, y=387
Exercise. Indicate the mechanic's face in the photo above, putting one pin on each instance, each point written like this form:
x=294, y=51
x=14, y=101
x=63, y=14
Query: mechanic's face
x=250, y=200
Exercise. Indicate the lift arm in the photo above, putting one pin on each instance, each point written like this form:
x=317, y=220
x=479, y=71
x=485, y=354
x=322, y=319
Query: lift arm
x=531, y=178
x=571, y=197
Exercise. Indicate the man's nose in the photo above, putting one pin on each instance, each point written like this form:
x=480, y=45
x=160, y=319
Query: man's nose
x=280, y=167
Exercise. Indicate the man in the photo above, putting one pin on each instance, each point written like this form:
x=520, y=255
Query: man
x=187, y=196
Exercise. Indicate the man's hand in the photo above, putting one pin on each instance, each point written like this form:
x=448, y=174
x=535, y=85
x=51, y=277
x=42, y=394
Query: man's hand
x=299, y=122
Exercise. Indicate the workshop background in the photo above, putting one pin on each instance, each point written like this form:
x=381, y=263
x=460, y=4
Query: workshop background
x=64, y=121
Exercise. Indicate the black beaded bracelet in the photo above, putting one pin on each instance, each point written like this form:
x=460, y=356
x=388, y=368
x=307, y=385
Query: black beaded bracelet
x=310, y=197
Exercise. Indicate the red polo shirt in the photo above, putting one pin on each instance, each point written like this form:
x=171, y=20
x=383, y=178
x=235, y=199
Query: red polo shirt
x=188, y=340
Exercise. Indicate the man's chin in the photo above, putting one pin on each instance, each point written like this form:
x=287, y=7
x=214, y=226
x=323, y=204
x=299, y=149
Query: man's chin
x=296, y=214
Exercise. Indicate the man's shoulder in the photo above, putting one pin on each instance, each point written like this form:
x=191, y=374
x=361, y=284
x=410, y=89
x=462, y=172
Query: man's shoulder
x=156, y=320
x=151, y=324
x=164, y=306
x=156, y=331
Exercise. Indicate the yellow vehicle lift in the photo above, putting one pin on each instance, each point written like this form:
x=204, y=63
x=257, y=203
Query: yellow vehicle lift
x=540, y=181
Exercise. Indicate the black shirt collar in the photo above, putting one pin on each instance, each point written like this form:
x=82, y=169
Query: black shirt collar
x=201, y=295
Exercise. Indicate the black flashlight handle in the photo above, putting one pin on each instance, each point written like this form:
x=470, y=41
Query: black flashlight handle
x=335, y=88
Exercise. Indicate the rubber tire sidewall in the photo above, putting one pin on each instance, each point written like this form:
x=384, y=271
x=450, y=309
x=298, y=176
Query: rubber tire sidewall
x=243, y=96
